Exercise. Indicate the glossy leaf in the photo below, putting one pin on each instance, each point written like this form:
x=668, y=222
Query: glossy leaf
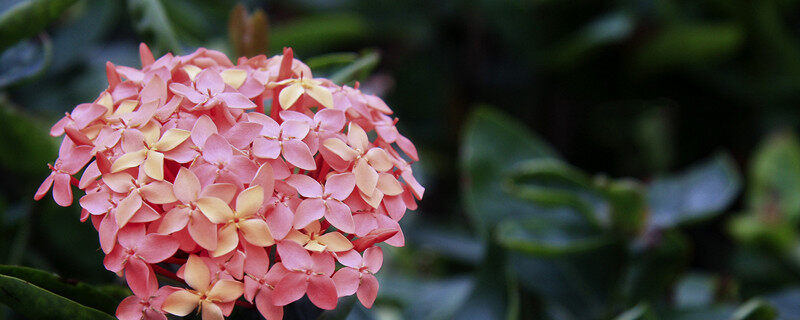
x=775, y=177
x=540, y=236
x=152, y=22
x=37, y=303
x=25, y=61
x=28, y=18
x=311, y=34
x=104, y=299
x=493, y=144
x=698, y=193
x=358, y=69
x=688, y=44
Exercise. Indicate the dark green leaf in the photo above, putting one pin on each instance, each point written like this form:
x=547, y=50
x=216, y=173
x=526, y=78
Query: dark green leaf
x=331, y=59
x=577, y=286
x=26, y=147
x=786, y=303
x=775, y=177
x=358, y=69
x=314, y=34
x=695, y=290
x=640, y=312
x=547, y=236
x=755, y=309
x=101, y=298
x=494, y=144
x=28, y=18
x=655, y=265
x=25, y=61
x=687, y=44
x=37, y=303
x=153, y=24
x=628, y=203
x=490, y=296
x=696, y=194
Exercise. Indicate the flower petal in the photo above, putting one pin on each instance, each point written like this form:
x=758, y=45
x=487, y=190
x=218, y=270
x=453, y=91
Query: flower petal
x=366, y=176
x=368, y=290
x=226, y=290
x=171, y=139
x=290, y=289
x=249, y=201
x=289, y=95
x=227, y=240
x=340, y=148
x=180, y=303
x=187, y=186
x=196, y=274
x=215, y=209
x=158, y=192
x=256, y=231
x=293, y=256
x=154, y=165
x=129, y=160
x=203, y=232
x=297, y=153
x=305, y=185
x=322, y=292
x=335, y=242
x=309, y=210
x=340, y=216
x=340, y=185
x=346, y=281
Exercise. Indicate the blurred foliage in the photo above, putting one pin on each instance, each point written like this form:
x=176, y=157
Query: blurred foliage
x=628, y=203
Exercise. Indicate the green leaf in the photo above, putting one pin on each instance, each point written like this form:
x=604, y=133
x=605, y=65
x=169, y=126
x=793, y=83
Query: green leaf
x=775, y=177
x=697, y=194
x=493, y=144
x=491, y=295
x=331, y=59
x=771, y=233
x=785, y=302
x=358, y=70
x=695, y=290
x=640, y=312
x=28, y=18
x=628, y=204
x=755, y=309
x=318, y=33
x=153, y=24
x=582, y=285
x=35, y=302
x=549, y=236
x=606, y=30
x=424, y=298
x=25, y=61
x=686, y=44
x=26, y=147
x=101, y=298
x=655, y=265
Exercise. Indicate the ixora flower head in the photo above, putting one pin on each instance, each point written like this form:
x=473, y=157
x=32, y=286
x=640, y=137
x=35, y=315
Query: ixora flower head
x=186, y=176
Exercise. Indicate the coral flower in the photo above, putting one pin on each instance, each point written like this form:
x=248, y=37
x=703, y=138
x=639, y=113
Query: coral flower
x=210, y=297
x=187, y=177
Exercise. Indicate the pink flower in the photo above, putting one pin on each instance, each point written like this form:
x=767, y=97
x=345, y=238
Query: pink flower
x=183, y=162
x=135, y=251
x=308, y=273
x=359, y=275
x=71, y=159
x=215, y=299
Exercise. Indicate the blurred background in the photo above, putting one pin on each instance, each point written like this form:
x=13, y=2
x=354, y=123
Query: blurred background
x=582, y=159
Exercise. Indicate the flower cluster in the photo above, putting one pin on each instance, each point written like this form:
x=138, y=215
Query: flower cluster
x=186, y=176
